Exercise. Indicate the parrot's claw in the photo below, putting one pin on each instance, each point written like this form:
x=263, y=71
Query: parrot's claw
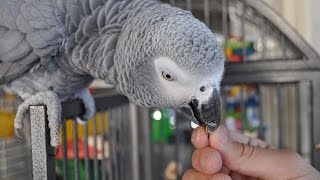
x=52, y=102
x=55, y=151
x=80, y=120
x=89, y=105
x=18, y=133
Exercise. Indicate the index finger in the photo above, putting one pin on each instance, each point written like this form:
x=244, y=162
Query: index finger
x=200, y=138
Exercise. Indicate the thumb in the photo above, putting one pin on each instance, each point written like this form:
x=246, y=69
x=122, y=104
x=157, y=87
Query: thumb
x=257, y=162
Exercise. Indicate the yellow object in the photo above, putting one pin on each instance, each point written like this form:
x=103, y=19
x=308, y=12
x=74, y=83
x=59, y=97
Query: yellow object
x=6, y=124
x=235, y=91
x=228, y=51
x=7, y=114
x=69, y=127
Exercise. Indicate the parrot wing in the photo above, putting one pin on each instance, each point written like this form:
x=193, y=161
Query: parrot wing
x=30, y=34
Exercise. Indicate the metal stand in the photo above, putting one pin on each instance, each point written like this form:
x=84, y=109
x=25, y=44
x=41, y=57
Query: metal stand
x=43, y=162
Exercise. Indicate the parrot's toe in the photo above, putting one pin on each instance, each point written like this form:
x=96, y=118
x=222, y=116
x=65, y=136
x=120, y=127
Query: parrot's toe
x=18, y=133
x=89, y=113
x=80, y=120
x=52, y=102
x=55, y=152
x=89, y=105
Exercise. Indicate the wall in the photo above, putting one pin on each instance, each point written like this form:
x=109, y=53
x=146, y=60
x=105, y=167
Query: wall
x=303, y=15
x=315, y=23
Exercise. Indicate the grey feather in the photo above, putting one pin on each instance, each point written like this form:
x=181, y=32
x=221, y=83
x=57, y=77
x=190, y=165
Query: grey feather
x=11, y=71
x=29, y=32
x=90, y=26
x=75, y=11
x=86, y=7
x=10, y=40
x=23, y=25
x=74, y=41
x=94, y=4
x=18, y=52
x=52, y=49
x=36, y=40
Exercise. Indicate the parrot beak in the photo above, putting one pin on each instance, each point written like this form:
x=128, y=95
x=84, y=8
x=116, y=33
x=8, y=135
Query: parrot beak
x=207, y=113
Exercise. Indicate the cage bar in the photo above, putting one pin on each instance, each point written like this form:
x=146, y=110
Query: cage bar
x=110, y=132
x=189, y=5
x=280, y=111
x=225, y=24
x=206, y=9
x=133, y=117
x=243, y=32
x=147, y=144
x=86, y=151
x=102, y=136
x=95, y=162
x=283, y=46
x=304, y=120
x=173, y=2
x=65, y=150
x=263, y=37
x=75, y=148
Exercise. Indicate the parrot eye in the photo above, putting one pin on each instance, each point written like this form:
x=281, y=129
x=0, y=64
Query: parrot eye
x=167, y=76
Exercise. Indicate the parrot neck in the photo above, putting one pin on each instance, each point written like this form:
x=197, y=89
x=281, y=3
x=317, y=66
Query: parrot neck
x=95, y=57
x=97, y=36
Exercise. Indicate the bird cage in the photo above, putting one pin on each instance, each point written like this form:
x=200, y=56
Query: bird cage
x=102, y=148
x=15, y=162
x=269, y=90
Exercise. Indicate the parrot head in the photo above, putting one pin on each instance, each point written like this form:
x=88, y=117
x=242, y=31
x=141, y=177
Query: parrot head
x=167, y=58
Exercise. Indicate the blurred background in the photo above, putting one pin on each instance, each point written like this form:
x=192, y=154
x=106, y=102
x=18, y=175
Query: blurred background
x=302, y=16
x=269, y=92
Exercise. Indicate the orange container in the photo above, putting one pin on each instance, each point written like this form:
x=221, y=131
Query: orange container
x=7, y=114
x=6, y=124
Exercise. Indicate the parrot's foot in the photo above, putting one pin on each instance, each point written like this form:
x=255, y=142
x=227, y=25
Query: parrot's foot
x=52, y=102
x=89, y=105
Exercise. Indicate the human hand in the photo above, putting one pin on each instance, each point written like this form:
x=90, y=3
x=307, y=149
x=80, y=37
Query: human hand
x=230, y=155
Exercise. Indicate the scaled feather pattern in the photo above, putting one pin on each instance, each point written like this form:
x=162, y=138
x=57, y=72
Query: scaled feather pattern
x=62, y=45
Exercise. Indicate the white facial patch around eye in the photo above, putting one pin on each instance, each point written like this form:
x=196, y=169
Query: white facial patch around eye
x=168, y=65
x=184, y=83
x=179, y=86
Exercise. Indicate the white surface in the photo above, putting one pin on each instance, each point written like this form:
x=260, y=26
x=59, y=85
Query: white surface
x=157, y=115
x=303, y=16
x=100, y=84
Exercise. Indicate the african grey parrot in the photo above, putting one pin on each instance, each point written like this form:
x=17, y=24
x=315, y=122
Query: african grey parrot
x=155, y=54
